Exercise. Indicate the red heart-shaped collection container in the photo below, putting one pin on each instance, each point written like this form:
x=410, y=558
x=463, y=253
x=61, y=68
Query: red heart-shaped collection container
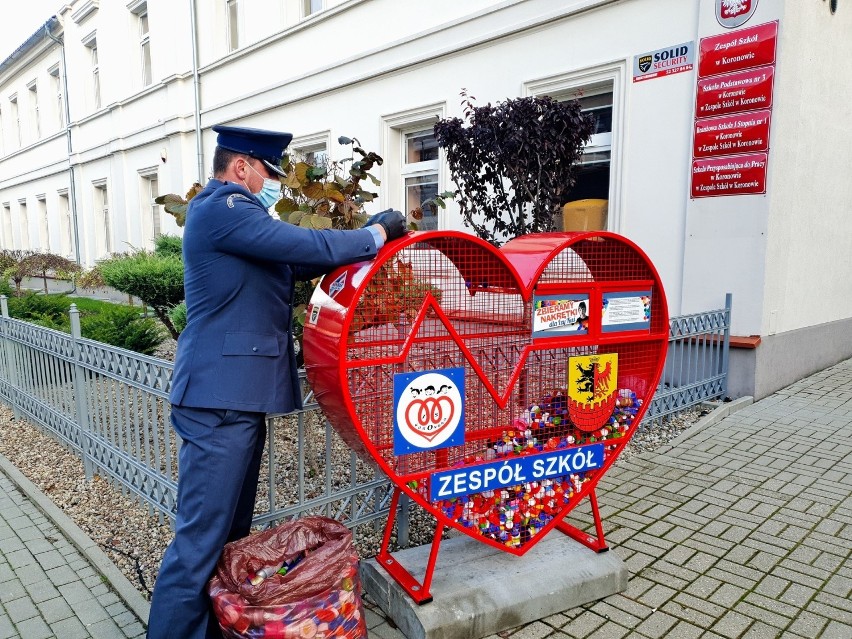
x=494, y=386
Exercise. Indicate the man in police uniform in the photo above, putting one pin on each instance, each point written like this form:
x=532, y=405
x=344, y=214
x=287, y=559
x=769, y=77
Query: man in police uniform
x=235, y=360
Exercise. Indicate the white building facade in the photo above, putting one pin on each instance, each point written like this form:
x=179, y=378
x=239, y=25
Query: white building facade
x=111, y=103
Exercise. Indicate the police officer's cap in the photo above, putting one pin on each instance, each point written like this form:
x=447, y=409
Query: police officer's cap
x=266, y=146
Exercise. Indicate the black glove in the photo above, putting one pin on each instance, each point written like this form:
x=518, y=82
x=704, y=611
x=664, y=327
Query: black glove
x=391, y=221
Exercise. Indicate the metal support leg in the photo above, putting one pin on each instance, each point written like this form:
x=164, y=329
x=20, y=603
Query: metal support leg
x=418, y=591
x=597, y=544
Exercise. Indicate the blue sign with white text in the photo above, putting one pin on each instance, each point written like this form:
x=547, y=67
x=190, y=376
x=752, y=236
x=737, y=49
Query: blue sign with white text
x=514, y=470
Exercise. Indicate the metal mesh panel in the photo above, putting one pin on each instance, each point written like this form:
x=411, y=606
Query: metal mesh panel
x=454, y=304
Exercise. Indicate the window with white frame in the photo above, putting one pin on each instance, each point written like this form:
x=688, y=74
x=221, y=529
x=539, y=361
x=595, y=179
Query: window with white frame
x=148, y=192
x=595, y=194
x=15, y=120
x=310, y=7
x=56, y=81
x=25, y=224
x=316, y=154
x=419, y=173
x=43, y=224
x=65, y=228
x=414, y=165
x=8, y=238
x=102, y=219
x=145, y=46
x=91, y=43
x=35, y=123
x=2, y=133
x=154, y=193
x=96, y=78
x=233, y=25
x=312, y=149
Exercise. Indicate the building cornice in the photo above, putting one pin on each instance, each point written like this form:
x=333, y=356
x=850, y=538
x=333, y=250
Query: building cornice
x=85, y=11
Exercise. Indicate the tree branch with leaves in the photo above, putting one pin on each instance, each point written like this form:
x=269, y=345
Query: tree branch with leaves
x=514, y=162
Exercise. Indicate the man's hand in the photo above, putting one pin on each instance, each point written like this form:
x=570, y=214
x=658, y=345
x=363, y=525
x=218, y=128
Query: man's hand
x=392, y=223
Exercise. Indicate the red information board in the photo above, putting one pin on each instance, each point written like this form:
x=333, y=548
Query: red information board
x=741, y=49
x=734, y=92
x=730, y=175
x=730, y=134
x=730, y=140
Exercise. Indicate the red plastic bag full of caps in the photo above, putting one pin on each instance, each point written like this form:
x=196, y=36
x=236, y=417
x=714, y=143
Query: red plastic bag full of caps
x=317, y=597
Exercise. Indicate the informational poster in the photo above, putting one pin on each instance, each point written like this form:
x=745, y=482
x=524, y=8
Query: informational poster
x=626, y=311
x=663, y=62
x=428, y=410
x=566, y=314
x=729, y=175
x=730, y=134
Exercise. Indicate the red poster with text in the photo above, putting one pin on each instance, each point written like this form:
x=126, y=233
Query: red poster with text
x=737, y=50
x=729, y=134
x=741, y=91
x=730, y=175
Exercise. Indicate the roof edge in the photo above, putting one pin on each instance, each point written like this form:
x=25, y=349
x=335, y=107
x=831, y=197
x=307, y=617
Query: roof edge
x=51, y=26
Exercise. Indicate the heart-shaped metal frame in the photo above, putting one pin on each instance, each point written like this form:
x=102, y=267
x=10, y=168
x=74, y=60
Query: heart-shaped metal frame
x=551, y=395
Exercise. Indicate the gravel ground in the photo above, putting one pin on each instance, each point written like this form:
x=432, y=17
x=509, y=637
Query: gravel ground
x=135, y=540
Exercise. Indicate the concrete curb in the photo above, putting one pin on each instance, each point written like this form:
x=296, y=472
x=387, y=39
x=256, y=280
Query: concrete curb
x=89, y=549
x=713, y=417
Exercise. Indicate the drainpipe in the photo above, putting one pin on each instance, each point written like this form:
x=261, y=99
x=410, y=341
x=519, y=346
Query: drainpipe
x=73, y=188
x=199, y=151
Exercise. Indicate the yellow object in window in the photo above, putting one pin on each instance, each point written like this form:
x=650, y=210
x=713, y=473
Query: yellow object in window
x=585, y=215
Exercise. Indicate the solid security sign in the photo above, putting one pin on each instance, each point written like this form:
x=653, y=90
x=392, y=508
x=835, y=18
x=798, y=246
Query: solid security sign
x=515, y=470
x=662, y=62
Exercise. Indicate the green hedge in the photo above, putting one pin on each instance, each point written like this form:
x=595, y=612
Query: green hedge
x=115, y=324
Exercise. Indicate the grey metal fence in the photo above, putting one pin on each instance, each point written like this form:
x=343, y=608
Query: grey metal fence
x=696, y=364
x=110, y=406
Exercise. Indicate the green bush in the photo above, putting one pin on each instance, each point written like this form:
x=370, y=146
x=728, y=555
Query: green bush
x=5, y=288
x=178, y=316
x=168, y=245
x=122, y=326
x=45, y=310
x=157, y=280
x=113, y=324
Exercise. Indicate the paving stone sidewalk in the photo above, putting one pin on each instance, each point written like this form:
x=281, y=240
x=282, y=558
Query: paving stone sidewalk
x=54, y=581
x=742, y=528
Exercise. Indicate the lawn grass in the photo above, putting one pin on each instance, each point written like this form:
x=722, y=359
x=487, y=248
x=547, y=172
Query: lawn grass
x=90, y=305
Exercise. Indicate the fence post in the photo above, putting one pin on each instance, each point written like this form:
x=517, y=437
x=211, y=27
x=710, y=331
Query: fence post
x=80, y=393
x=11, y=372
x=726, y=344
x=402, y=522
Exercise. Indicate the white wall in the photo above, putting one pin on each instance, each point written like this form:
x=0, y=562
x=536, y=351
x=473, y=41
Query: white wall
x=359, y=67
x=809, y=256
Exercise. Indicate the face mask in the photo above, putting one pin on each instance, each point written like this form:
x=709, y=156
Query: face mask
x=270, y=193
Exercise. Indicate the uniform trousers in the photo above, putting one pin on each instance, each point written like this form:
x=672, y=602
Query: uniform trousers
x=218, y=468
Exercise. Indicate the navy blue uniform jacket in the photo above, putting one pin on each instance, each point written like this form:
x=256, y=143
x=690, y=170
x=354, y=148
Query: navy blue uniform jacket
x=240, y=266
